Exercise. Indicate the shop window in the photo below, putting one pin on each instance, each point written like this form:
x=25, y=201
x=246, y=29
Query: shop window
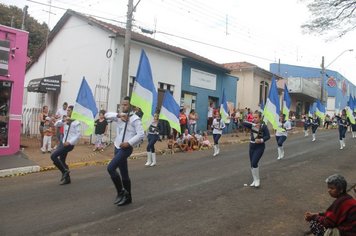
x=5, y=95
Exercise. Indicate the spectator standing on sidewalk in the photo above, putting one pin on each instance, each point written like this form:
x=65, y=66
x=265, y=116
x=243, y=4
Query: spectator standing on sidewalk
x=327, y=121
x=281, y=135
x=210, y=117
x=129, y=133
x=60, y=114
x=101, y=127
x=340, y=217
x=183, y=120
x=72, y=133
x=259, y=135
x=218, y=126
x=193, y=117
x=42, y=117
x=47, y=135
x=152, y=138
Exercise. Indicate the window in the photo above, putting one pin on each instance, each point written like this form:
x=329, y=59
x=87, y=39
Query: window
x=263, y=92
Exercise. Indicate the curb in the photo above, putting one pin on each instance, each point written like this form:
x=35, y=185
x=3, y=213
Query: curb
x=19, y=171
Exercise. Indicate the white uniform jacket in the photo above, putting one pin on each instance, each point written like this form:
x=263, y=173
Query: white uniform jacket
x=134, y=130
x=72, y=132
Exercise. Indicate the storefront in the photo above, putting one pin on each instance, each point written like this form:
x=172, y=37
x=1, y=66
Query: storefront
x=13, y=56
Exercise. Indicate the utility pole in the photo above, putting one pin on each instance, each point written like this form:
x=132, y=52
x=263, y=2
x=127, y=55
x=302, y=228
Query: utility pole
x=322, y=80
x=24, y=15
x=126, y=59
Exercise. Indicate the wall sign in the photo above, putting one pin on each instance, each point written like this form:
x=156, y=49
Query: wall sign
x=202, y=79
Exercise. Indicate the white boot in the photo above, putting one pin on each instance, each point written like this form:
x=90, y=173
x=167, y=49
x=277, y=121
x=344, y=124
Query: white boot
x=343, y=142
x=313, y=138
x=149, y=159
x=353, y=134
x=306, y=133
x=279, y=153
x=341, y=146
x=153, y=159
x=282, y=152
x=256, y=175
x=215, y=150
x=254, y=178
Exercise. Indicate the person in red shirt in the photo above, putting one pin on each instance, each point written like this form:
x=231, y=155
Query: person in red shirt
x=340, y=216
x=183, y=120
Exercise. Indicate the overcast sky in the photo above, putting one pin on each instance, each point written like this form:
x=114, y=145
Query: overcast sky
x=257, y=31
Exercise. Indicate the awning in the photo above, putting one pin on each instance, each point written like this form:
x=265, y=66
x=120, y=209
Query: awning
x=46, y=84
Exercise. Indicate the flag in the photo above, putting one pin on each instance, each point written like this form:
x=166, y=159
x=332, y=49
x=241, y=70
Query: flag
x=311, y=110
x=223, y=109
x=350, y=110
x=320, y=110
x=170, y=111
x=350, y=115
x=144, y=94
x=272, y=109
x=286, y=102
x=354, y=100
x=85, y=107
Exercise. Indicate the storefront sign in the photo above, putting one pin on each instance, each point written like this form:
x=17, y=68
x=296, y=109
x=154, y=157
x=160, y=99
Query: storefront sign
x=202, y=79
x=46, y=84
x=4, y=57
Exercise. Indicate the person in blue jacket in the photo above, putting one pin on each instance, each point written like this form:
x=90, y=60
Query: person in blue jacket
x=259, y=135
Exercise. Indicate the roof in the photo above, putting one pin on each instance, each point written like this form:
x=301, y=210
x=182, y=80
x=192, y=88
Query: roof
x=120, y=32
x=234, y=66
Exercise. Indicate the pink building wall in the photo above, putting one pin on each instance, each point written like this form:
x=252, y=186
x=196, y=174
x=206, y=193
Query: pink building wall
x=16, y=70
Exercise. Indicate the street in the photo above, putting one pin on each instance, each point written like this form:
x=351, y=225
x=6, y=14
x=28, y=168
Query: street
x=186, y=194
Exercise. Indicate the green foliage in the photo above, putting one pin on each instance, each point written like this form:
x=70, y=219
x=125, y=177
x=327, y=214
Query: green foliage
x=37, y=32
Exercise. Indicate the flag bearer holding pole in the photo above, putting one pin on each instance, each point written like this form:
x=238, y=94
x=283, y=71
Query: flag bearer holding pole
x=70, y=139
x=129, y=132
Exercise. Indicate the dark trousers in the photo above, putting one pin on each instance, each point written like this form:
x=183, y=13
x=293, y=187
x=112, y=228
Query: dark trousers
x=120, y=161
x=59, y=157
x=314, y=128
x=342, y=132
x=280, y=140
x=216, y=138
x=152, y=139
x=256, y=152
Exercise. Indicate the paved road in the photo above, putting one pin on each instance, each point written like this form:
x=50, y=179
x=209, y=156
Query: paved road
x=186, y=194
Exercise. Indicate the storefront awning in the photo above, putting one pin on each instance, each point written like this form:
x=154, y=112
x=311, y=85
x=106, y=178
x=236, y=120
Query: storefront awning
x=46, y=84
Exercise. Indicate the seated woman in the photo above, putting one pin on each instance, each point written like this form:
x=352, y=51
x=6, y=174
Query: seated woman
x=205, y=143
x=340, y=216
x=181, y=144
x=194, y=141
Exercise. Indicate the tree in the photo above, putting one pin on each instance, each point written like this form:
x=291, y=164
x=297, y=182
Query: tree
x=12, y=16
x=336, y=16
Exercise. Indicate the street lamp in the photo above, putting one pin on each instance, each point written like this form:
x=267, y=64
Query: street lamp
x=323, y=71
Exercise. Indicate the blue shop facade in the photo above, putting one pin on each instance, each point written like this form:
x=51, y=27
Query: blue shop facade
x=337, y=86
x=202, y=84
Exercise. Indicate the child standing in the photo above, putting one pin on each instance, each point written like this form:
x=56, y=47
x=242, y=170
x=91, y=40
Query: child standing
x=101, y=126
x=47, y=135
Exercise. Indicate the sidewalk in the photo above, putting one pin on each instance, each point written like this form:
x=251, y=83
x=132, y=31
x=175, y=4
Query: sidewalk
x=31, y=159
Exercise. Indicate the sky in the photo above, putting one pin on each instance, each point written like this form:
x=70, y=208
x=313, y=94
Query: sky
x=256, y=31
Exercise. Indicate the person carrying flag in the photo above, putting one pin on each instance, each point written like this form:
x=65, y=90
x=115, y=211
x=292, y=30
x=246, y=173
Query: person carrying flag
x=129, y=132
x=281, y=134
x=259, y=135
x=70, y=139
x=315, y=122
x=343, y=122
x=218, y=126
x=306, y=121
